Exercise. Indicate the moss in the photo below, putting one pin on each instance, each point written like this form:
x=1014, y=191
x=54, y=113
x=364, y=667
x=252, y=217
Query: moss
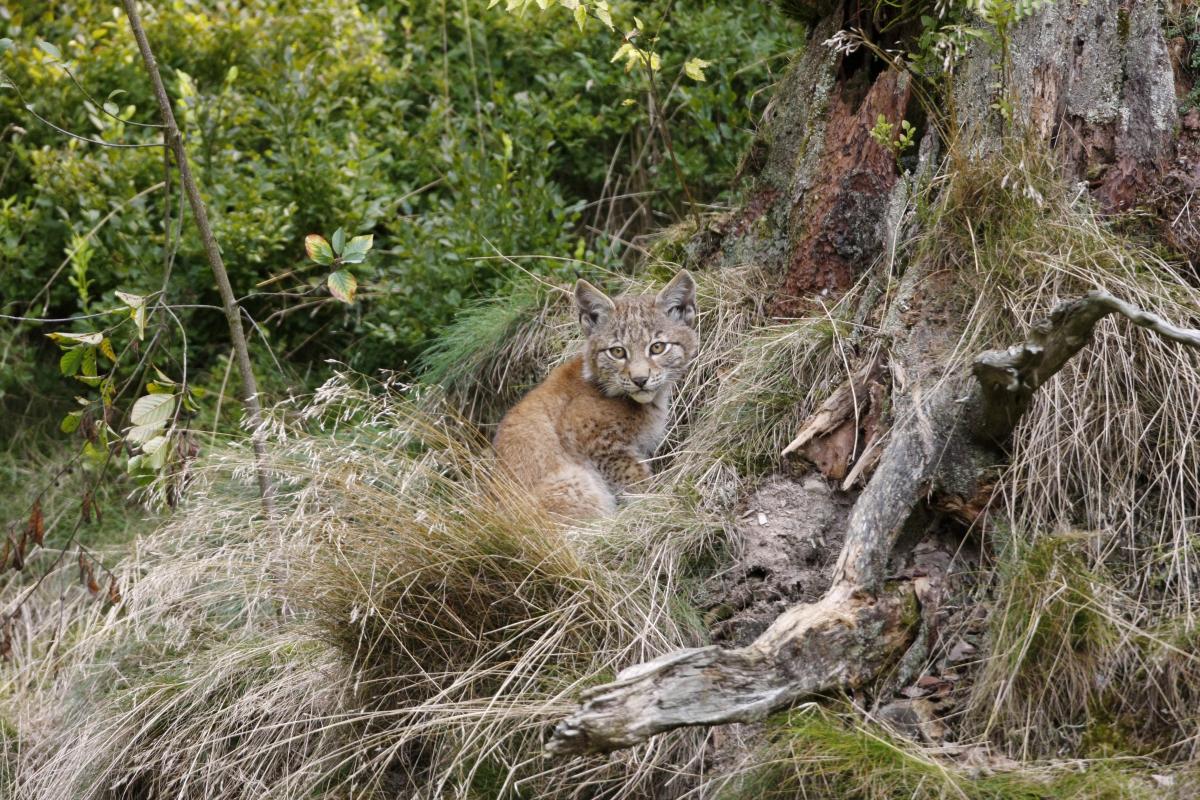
x=491, y=781
x=1104, y=737
x=669, y=248
x=839, y=756
x=910, y=614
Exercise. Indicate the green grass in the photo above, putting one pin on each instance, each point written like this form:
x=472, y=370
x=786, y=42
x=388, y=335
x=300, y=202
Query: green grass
x=499, y=348
x=1052, y=640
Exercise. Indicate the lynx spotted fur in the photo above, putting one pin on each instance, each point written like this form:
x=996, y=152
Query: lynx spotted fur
x=585, y=435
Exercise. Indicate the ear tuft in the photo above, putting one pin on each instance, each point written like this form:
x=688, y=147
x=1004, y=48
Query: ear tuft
x=594, y=305
x=678, y=298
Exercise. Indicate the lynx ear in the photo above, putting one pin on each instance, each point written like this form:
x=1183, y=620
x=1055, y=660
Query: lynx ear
x=594, y=305
x=678, y=298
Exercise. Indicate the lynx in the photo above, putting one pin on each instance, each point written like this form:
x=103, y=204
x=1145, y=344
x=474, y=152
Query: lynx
x=585, y=435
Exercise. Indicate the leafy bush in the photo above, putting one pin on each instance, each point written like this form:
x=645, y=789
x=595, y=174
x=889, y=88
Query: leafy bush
x=452, y=133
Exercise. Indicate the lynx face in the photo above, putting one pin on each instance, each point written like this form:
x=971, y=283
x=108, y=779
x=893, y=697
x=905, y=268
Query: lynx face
x=638, y=346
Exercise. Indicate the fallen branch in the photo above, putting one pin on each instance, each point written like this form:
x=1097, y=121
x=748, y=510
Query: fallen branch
x=864, y=622
x=803, y=652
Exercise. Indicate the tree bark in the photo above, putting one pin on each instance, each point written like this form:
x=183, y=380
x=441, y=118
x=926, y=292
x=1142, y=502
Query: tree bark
x=824, y=204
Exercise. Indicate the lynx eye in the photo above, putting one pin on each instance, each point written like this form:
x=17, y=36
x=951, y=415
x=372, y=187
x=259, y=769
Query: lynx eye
x=658, y=348
x=617, y=352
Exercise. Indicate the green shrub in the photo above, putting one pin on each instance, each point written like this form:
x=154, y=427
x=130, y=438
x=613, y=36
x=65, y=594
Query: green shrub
x=452, y=132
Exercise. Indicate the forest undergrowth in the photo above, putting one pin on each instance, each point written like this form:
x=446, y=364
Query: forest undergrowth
x=406, y=625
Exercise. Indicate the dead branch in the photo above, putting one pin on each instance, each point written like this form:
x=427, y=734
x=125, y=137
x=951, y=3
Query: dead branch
x=864, y=622
x=805, y=651
x=1009, y=378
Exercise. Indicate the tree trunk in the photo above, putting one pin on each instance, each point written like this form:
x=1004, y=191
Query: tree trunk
x=827, y=209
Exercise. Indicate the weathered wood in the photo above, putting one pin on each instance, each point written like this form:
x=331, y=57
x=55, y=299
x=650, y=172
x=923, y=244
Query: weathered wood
x=841, y=640
x=1009, y=378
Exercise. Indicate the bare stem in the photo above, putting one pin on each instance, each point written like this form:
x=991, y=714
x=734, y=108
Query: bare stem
x=200, y=214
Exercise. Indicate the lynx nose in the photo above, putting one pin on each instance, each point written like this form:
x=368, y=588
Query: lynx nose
x=640, y=381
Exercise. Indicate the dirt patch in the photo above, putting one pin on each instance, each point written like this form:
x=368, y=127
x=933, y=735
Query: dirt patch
x=790, y=534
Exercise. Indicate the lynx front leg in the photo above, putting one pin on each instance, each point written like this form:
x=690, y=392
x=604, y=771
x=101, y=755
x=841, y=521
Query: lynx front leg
x=622, y=468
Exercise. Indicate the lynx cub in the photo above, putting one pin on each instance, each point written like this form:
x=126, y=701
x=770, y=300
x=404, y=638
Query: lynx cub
x=585, y=433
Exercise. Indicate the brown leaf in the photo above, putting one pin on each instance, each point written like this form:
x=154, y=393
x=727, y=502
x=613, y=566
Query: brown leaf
x=831, y=453
x=87, y=575
x=87, y=425
x=114, y=594
x=18, y=554
x=85, y=508
x=37, y=523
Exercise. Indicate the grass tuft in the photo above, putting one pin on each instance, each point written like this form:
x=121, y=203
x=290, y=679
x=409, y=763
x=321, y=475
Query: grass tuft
x=1080, y=656
x=407, y=624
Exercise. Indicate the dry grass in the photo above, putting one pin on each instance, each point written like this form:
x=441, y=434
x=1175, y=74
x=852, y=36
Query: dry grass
x=1110, y=446
x=407, y=624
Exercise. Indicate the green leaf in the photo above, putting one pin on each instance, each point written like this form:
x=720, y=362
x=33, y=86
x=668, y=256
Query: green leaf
x=318, y=249
x=49, y=49
x=694, y=68
x=339, y=240
x=70, y=361
x=89, y=362
x=342, y=285
x=70, y=423
x=152, y=409
x=357, y=249
x=600, y=9
x=157, y=450
x=580, y=16
x=106, y=350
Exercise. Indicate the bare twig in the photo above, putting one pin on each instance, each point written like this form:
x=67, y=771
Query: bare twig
x=200, y=215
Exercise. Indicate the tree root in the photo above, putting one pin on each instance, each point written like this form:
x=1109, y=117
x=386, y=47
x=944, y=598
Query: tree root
x=841, y=640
